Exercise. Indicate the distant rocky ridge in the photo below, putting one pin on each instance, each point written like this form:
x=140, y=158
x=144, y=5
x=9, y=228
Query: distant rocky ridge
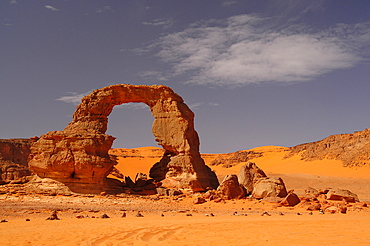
x=232, y=159
x=352, y=149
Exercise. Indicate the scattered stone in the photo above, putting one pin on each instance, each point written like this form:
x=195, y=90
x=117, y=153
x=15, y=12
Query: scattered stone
x=105, y=216
x=124, y=215
x=28, y=220
x=139, y=214
x=281, y=213
x=332, y=210
x=310, y=213
x=199, y=200
x=189, y=214
x=265, y=214
x=162, y=215
x=3, y=221
x=299, y=214
x=53, y=216
x=80, y=217
x=314, y=207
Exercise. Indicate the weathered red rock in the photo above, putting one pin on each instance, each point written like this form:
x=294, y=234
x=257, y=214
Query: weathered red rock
x=79, y=153
x=13, y=160
x=230, y=188
x=268, y=186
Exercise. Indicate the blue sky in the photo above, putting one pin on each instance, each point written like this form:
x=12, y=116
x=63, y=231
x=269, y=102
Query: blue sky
x=255, y=72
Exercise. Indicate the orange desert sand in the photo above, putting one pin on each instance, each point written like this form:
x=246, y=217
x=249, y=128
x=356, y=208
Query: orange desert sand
x=177, y=221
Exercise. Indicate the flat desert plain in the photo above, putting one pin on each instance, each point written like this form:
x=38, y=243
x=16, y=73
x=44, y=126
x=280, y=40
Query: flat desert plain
x=178, y=221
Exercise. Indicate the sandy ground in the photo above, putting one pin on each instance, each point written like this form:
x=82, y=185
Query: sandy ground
x=177, y=221
x=249, y=227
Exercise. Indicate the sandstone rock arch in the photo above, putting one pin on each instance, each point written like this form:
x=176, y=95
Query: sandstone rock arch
x=78, y=155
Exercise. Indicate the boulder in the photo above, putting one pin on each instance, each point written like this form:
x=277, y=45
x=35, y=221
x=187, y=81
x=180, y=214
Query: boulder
x=341, y=195
x=199, y=200
x=249, y=175
x=290, y=200
x=268, y=186
x=78, y=155
x=230, y=188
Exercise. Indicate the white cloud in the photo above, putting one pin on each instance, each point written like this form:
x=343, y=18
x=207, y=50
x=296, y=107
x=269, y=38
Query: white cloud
x=51, y=8
x=245, y=49
x=13, y=2
x=73, y=98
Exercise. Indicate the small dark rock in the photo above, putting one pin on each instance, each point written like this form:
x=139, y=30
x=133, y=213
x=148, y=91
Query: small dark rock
x=105, y=216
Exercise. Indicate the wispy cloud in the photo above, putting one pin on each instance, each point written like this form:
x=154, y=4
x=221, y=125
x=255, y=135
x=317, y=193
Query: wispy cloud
x=51, y=8
x=248, y=49
x=74, y=97
x=228, y=3
x=196, y=105
x=153, y=74
x=159, y=22
x=104, y=9
x=13, y=2
x=135, y=106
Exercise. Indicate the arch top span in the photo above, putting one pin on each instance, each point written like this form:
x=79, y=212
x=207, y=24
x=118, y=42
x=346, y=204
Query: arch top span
x=85, y=144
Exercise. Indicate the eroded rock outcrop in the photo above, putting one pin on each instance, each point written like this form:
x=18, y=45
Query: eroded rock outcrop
x=352, y=149
x=79, y=153
x=13, y=160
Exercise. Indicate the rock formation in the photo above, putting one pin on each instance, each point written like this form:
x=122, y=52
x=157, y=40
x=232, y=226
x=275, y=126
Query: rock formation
x=13, y=160
x=79, y=153
x=352, y=149
x=249, y=175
